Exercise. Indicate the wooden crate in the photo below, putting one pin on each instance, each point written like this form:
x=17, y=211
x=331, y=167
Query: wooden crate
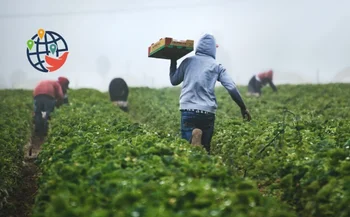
x=169, y=48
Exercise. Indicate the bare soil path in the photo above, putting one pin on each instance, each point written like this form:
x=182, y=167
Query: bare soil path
x=22, y=198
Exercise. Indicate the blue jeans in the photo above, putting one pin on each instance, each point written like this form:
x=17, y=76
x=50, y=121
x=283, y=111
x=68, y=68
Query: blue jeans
x=203, y=121
x=42, y=103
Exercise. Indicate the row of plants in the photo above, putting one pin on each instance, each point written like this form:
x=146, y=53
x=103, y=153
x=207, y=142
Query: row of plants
x=97, y=162
x=296, y=147
x=15, y=132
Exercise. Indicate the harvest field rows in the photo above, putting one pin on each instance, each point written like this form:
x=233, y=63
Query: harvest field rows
x=292, y=159
x=15, y=132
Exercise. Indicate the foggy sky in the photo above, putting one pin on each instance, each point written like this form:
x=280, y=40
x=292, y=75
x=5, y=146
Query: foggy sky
x=107, y=39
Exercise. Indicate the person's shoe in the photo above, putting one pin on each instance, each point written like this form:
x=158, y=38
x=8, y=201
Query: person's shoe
x=197, y=137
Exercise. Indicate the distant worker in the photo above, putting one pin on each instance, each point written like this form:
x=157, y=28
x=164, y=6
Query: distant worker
x=47, y=94
x=198, y=105
x=258, y=81
x=118, y=93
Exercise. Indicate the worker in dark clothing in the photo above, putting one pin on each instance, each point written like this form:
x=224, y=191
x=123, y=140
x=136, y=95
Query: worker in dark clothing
x=257, y=82
x=118, y=93
x=198, y=105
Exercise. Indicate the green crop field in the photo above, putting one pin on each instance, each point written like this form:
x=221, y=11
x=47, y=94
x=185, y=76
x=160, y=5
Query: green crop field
x=15, y=129
x=292, y=159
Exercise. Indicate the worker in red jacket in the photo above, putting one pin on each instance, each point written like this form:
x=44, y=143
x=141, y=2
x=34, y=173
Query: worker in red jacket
x=47, y=94
x=257, y=82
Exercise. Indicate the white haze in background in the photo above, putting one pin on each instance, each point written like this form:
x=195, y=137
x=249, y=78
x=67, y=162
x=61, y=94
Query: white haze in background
x=304, y=41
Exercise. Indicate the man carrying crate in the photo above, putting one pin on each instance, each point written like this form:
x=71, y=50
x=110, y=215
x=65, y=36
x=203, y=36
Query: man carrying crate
x=198, y=105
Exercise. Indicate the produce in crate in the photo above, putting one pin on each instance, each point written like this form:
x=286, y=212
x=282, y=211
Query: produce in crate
x=169, y=48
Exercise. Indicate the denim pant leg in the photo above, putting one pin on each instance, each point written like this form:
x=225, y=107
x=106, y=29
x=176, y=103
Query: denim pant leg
x=38, y=120
x=205, y=122
x=49, y=107
x=208, y=130
x=186, y=129
x=42, y=104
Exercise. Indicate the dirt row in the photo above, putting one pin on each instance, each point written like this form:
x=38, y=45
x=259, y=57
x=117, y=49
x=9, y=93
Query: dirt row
x=22, y=198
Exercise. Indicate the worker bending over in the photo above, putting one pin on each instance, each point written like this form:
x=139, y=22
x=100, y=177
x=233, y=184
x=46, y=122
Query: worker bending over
x=118, y=93
x=47, y=95
x=258, y=81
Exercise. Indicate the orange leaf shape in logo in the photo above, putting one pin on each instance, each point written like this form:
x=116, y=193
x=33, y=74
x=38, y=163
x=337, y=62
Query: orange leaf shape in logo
x=56, y=63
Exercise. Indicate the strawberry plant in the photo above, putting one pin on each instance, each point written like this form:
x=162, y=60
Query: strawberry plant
x=294, y=148
x=97, y=162
x=15, y=129
x=292, y=159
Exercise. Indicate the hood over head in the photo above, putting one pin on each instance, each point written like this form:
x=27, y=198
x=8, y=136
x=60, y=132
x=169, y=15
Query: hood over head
x=269, y=74
x=207, y=46
x=63, y=81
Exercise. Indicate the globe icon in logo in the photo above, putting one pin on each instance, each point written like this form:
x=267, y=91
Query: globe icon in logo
x=47, y=51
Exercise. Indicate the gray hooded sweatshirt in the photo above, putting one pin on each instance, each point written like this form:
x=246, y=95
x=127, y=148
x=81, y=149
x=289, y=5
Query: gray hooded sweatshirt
x=199, y=74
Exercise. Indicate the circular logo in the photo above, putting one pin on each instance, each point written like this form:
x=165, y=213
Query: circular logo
x=47, y=51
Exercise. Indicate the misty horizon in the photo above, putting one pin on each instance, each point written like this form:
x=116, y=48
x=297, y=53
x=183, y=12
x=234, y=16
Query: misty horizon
x=302, y=41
